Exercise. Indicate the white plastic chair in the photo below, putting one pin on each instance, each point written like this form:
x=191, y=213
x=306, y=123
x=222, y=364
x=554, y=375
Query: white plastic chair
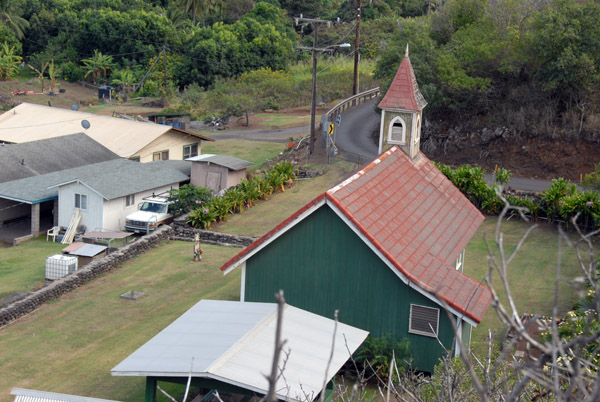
x=53, y=232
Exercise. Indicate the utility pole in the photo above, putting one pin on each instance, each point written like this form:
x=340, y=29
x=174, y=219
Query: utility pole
x=357, y=49
x=315, y=23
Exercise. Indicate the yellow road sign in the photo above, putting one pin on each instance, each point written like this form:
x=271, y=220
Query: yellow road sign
x=331, y=129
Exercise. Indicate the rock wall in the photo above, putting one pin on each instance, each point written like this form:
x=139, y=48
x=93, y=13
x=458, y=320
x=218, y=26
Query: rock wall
x=186, y=233
x=33, y=300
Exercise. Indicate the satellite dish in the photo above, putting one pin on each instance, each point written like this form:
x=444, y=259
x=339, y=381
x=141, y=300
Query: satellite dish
x=75, y=107
x=85, y=124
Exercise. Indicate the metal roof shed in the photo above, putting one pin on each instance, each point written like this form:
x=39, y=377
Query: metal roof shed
x=30, y=395
x=228, y=346
x=217, y=172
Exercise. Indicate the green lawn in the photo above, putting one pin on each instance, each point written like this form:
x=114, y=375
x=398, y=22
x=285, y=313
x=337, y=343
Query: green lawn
x=257, y=152
x=71, y=344
x=276, y=120
x=24, y=267
x=531, y=274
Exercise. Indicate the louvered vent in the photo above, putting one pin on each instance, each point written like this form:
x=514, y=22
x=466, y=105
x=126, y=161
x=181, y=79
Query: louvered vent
x=423, y=320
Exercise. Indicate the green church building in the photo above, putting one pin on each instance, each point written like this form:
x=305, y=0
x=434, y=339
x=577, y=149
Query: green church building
x=385, y=248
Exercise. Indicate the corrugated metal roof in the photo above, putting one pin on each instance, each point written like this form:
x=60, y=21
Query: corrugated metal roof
x=111, y=179
x=233, y=342
x=29, y=122
x=415, y=217
x=230, y=162
x=30, y=395
x=18, y=161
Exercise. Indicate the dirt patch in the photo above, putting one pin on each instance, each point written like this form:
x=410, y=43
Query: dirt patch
x=86, y=98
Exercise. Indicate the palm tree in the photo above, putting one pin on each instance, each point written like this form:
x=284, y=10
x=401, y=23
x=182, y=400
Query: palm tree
x=197, y=7
x=97, y=64
x=15, y=23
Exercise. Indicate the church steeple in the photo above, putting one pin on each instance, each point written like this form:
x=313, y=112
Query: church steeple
x=402, y=108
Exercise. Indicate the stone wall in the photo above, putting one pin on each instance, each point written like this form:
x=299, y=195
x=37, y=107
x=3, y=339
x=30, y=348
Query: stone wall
x=33, y=300
x=187, y=233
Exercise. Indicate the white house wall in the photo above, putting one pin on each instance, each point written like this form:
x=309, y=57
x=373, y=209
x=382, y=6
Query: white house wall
x=115, y=210
x=90, y=217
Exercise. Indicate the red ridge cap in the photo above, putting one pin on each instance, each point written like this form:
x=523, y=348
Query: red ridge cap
x=270, y=233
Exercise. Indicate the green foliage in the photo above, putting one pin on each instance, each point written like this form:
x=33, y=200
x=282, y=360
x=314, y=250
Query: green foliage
x=236, y=199
x=375, y=355
x=97, y=64
x=554, y=194
x=260, y=38
x=502, y=175
x=187, y=197
x=592, y=179
x=9, y=62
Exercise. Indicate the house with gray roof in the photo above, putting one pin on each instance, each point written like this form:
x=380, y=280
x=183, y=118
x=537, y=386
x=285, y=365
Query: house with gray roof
x=19, y=161
x=104, y=192
x=217, y=172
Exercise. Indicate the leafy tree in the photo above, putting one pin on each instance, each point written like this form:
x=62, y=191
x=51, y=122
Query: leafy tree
x=97, y=64
x=188, y=197
x=196, y=8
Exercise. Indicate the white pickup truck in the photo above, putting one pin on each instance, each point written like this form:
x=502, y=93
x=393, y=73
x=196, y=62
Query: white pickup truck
x=151, y=213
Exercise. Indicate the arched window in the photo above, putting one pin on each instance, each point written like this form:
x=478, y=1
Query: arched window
x=397, y=131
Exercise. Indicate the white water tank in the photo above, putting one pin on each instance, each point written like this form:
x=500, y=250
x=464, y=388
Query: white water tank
x=59, y=265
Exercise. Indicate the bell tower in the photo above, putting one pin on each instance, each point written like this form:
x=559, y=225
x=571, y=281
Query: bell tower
x=401, y=115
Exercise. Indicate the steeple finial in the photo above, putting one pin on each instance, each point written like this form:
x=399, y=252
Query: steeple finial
x=406, y=54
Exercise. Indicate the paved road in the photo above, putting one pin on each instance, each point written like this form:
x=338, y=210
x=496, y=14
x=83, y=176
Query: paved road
x=358, y=123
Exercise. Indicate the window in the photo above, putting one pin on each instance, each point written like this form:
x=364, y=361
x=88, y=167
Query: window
x=189, y=151
x=424, y=320
x=130, y=200
x=135, y=158
x=160, y=156
x=397, y=133
x=80, y=201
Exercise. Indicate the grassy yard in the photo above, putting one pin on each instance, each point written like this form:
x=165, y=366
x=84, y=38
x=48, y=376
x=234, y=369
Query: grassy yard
x=531, y=274
x=265, y=215
x=22, y=268
x=257, y=152
x=278, y=120
x=71, y=344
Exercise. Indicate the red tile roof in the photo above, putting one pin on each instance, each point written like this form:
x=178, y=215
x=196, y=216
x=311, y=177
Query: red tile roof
x=404, y=92
x=419, y=221
x=416, y=218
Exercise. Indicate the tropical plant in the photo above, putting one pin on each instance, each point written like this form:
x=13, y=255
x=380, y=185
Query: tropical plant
x=97, y=65
x=53, y=72
x=502, y=175
x=188, y=197
x=222, y=207
x=9, y=62
x=553, y=195
x=237, y=198
x=592, y=179
x=202, y=217
x=43, y=65
x=196, y=8
x=15, y=23
x=125, y=78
